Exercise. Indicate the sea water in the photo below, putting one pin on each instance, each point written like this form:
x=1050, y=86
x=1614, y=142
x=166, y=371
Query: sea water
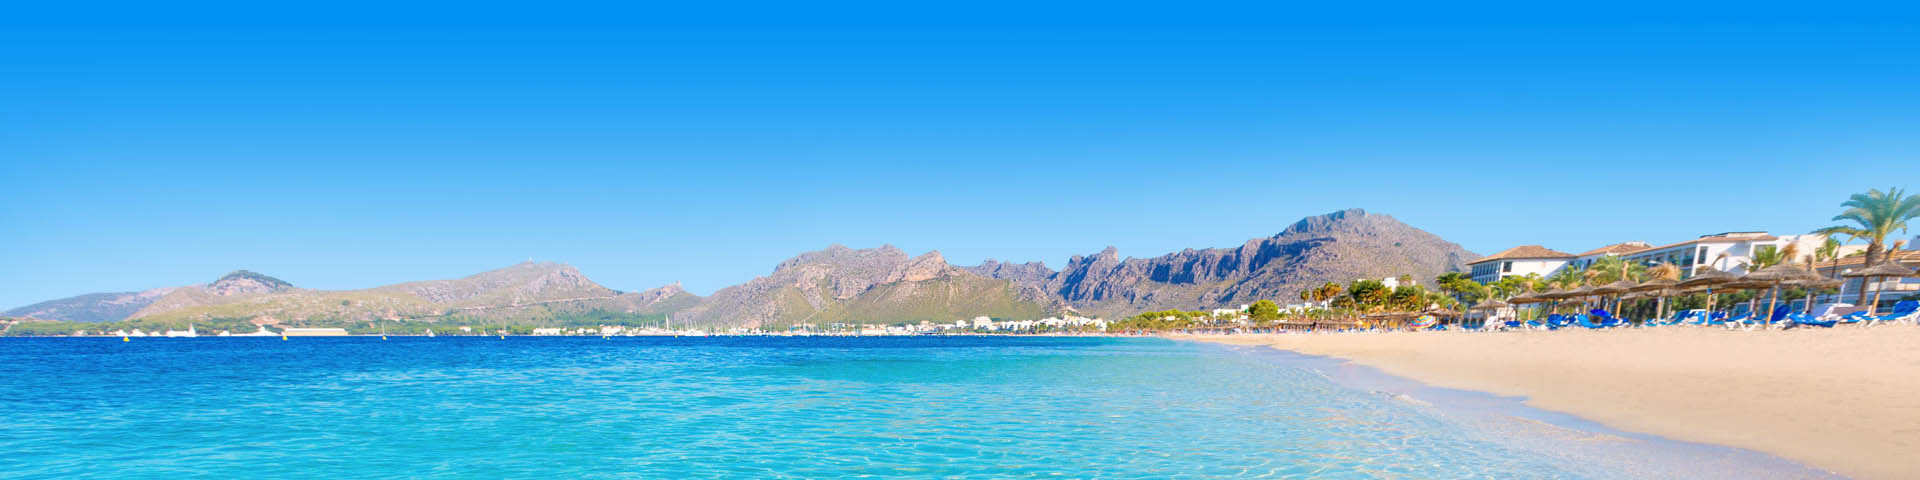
x=767, y=407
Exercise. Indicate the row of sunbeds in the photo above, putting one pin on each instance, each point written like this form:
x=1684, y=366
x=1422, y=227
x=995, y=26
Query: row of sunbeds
x=1904, y=311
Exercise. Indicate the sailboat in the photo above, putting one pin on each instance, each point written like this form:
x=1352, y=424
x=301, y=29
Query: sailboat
x=429, y=332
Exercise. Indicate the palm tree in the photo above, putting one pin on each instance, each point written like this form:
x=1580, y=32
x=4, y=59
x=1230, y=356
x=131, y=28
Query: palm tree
x=1763, y=258
x=1329, y=291
x=1829, y=250
x=1567, y=277
x=1664, y=271
x=1875, y=215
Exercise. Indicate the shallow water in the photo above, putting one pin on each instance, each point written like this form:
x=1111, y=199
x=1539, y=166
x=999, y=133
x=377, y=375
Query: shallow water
x=770, y=407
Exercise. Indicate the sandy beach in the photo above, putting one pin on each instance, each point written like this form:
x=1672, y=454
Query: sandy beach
x=1844, y=399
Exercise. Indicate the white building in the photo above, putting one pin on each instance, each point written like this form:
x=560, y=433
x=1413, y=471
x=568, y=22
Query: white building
x=1729, y=251
x=1518, y=261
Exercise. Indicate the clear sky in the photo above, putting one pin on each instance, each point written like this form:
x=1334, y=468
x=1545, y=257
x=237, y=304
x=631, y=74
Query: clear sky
x=341, y=145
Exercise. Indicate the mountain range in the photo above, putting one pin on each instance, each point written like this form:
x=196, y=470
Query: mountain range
x=834, y=285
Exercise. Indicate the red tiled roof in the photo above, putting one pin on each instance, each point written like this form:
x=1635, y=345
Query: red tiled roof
x=1709, y=239
x=1622, y=248
x=1523, y=251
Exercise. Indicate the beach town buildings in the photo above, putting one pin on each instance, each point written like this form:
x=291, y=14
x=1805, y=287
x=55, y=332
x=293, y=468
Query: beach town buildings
x=1728, y=251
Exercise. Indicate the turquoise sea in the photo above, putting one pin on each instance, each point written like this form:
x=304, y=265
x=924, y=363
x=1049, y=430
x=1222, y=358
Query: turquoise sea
x=770, y=407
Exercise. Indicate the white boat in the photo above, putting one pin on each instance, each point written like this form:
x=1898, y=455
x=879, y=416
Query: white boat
x=262, y=332
x=429, y=332
x=190, y=333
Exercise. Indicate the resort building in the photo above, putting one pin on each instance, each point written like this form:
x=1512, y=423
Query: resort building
x=1518, y=261
x=1728, y=251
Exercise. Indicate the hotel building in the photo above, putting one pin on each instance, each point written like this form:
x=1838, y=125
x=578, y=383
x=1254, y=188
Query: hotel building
x=1729, y=251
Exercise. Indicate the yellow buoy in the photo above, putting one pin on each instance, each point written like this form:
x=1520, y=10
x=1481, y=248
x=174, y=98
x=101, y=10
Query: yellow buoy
x=125, y=339
x=283, y=338
x=383, y=337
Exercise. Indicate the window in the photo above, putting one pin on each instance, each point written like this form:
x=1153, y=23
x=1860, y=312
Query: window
x=1702, y=257
x=1506, y=267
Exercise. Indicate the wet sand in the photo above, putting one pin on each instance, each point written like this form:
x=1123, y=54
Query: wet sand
x=1844, y=399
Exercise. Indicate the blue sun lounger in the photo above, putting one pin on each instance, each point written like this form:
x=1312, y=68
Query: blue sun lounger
x=1809, y=320
x=1903, y=311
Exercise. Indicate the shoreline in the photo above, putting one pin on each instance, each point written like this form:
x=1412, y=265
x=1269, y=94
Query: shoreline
x=1841, y=400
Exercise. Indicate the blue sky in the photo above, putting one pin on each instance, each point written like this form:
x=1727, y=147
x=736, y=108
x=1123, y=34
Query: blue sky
x=346, y=145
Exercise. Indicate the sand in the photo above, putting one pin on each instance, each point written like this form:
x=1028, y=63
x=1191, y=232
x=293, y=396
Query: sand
x=1842, y=399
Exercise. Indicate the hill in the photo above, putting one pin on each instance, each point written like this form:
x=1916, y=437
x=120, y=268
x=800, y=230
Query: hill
x=1336, y=247
x=876, y=285
x=519, y=294
x=92, y=307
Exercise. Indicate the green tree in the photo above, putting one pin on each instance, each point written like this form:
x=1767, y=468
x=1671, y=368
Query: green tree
x=1407, y=298
x=1829, y=250
x=1874, y=215
x=1326, y=292
x=1368, y=293
x=1567, y=277
x=1767, y=257
x=1611, y=268
x=1264, y=310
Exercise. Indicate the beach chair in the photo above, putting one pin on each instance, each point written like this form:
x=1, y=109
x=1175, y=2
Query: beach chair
x=1738, y=321
x=1755, y=320
x=1608, y=320
x=1560, y=321
x=1859, y=317
x=1798, y=319
x=1906, y=310
x=1690, y=317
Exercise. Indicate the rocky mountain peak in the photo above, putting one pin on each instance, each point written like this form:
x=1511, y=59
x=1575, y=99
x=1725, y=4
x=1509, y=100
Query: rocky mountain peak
x=1320, y=224
x=1338, y=247
x=924, y=267
x=841, y=256
x=244, y=282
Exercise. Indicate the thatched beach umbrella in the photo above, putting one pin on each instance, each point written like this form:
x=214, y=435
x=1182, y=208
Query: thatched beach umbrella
x=1615, y=288
x=1817, y=284
x=1707, y=280
x=1658, y=289
x=1744, y=283
x=1583, y=294
x=1888, y=269
x=1777, y=274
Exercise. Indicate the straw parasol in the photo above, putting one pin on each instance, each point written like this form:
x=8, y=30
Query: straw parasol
x=1581, y=293
x=1615, y=288
x=1524, y=298
x=1707, y=280
x=1657, y=288
x=1816, y=284
x=1775, y=275
x=1888, y=269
